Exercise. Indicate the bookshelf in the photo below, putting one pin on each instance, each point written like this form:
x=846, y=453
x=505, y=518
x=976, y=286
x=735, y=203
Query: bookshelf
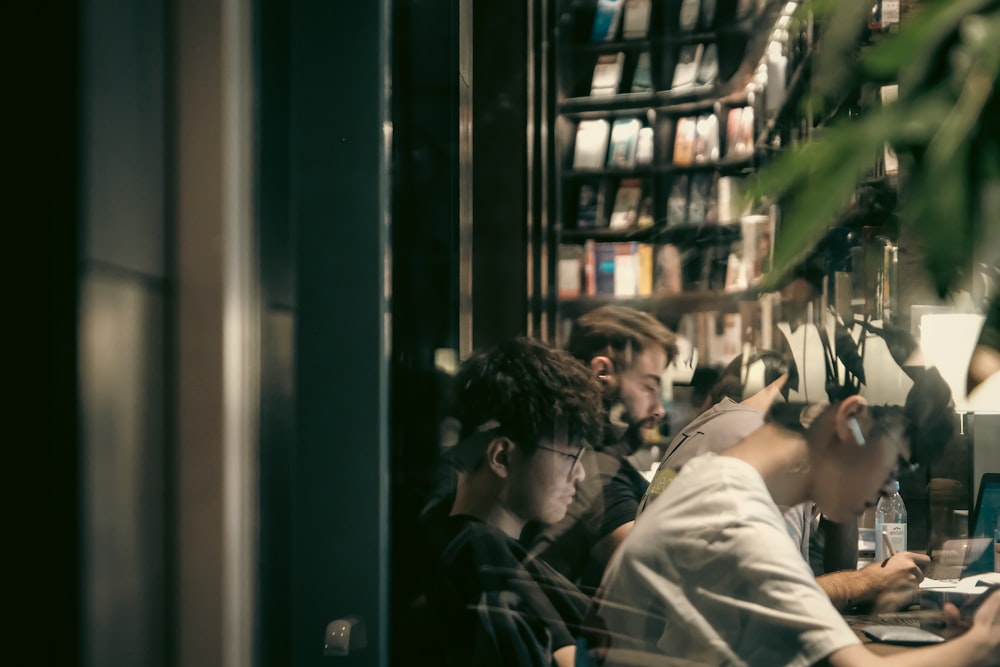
x=694, y=80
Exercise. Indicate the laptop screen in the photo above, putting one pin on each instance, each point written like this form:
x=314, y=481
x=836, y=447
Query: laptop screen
x=984, y=522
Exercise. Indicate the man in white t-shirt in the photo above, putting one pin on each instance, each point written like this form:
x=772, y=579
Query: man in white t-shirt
x=887, y=585
x=710, y=576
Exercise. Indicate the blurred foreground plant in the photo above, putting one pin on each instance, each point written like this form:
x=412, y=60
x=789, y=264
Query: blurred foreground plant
x=944, y=128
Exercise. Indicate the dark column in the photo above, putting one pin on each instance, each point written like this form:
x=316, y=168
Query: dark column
x=338, y=193
x=500, y=178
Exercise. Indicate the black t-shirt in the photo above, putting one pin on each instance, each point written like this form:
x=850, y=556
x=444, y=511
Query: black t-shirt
x=492, y=604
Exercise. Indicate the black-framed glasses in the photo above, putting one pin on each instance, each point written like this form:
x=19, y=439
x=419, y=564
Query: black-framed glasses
x=575, y=458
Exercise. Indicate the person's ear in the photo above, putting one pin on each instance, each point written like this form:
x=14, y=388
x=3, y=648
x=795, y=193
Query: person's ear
x=846, y=419
x=498, y=454
x=602, y=368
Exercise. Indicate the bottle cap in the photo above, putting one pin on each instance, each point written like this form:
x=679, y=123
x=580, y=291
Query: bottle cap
x=895, y=484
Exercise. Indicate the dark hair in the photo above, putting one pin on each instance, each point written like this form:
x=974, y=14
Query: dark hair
x=931, y=422
x=703, y=380
x=731, y=383
x=530, y=390
x=619, y=332
x=928, y=409
x=928, y=415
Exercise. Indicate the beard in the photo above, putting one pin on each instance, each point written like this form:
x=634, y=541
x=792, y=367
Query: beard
x=630, y=430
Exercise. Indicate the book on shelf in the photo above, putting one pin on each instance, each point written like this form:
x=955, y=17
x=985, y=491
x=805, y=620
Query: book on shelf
x=586, y=207
x=686, y=70
x=687, y=18
x=698, y=196
x=625, y=211
x=687, y=132
x=568, y=282
x=645, y=216
x=607, y=74
x=607, y=20
x=706, y=143
x=646, y=261
x=758, y=245
x=642, y=77
x=715, y=266
x=707, y=14
x=602, y=209
x=677, y=201
x=708, y=66
x=667, y=271
x=736, y=275
x=591, y=143
x=626, y=268
x=644, y=147
x=635, y=23
x=664, y=138
x=712, y=201
x=589, y=273
x=604, y=268
x=777, y=63
x=732, y=206
x=739, y=132
x=624, y=138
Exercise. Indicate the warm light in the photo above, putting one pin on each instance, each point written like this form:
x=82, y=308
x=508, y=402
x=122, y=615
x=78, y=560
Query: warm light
x=947, y=341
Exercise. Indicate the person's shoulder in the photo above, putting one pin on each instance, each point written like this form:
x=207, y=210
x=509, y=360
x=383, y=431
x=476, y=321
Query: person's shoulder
x=727, y=407
x=473, y=540
x=725, y=411
x=714, y=471
x=462, y=528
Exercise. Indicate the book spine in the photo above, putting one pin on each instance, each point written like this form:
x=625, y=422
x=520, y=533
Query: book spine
x=668, y=269
x=606, y=20
x=646, y=260
x=604, y=259
x=569, y=271
x=626, y=275
x=636, y=21
x=589, y=268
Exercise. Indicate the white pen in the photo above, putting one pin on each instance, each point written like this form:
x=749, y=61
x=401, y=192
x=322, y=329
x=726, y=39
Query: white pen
x=888, y=544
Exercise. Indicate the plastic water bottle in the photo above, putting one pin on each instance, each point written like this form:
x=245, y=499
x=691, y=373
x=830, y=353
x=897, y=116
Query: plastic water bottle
x=890, y=520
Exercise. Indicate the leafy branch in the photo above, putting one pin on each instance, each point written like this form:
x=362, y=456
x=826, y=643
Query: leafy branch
x=944, y=128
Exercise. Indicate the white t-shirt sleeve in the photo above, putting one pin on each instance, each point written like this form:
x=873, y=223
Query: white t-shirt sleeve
x=721, y=579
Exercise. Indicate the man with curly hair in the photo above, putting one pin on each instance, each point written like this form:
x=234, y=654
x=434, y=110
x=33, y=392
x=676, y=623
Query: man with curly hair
x=527, y=412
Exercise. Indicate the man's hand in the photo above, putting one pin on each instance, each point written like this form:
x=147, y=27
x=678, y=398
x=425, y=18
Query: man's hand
x=889, y=585
x=896, y=580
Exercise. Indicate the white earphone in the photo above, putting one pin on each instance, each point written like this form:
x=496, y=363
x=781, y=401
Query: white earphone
x=852, y=424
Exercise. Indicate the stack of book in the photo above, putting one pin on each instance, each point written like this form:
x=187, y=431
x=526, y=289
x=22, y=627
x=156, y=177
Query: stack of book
x=634, y=269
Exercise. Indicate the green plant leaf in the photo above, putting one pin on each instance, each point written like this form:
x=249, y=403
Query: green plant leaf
x=908, y=54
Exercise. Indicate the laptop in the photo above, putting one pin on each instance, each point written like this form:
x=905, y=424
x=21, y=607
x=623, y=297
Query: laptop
x=982, y=523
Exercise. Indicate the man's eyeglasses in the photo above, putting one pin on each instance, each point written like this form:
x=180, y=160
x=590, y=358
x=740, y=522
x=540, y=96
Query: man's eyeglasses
x=575, y=458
